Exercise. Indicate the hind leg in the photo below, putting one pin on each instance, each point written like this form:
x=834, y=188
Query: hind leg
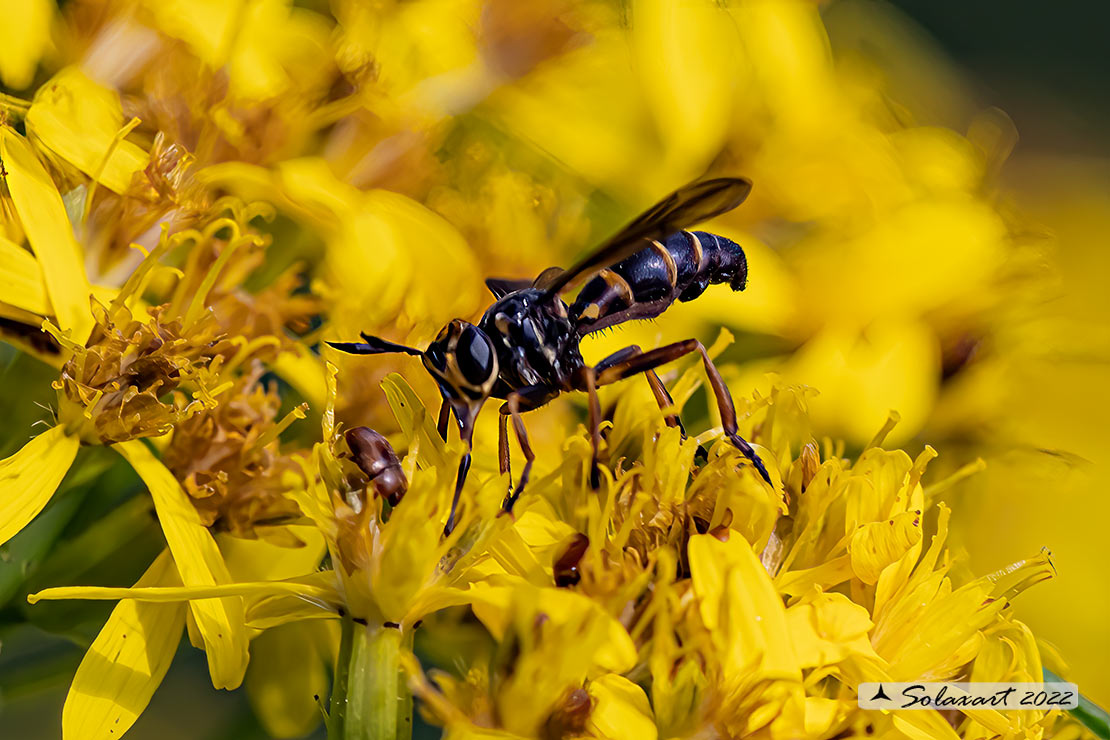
x=662, y=396
x=632, y=363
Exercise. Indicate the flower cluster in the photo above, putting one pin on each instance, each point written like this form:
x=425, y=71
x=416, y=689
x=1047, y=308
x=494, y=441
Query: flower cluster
x=698, y=599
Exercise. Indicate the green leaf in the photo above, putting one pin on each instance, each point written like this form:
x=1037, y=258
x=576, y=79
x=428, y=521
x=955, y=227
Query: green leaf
x=1090, y=715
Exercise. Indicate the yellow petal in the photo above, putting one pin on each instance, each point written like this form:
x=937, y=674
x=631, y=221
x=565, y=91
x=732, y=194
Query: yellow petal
x=206, y=25
x=446, y=280
x=540, y=531
x=29, y=478
x=828, y=628
x=821, y=713
x=599, y=131
x=928, y=725
x=259, y=560
x=48, y=230
x=739, y=603
x=221, y=621
x=125, y=663
x=826, y=575
x=621, y=710
x=21, y=282
x=287, y=671
x=275, y=47
x=164, y=594
x=415, y=420
x=24, y=38
x=893, y=364
x=79, y=120
x=495, y=606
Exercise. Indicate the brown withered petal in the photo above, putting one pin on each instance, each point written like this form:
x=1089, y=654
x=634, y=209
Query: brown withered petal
x=230, y=461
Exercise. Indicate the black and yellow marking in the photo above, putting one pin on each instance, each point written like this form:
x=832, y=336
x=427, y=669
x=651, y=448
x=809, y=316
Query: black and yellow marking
x=668, y=261
x=699, y=253
x=619, y=284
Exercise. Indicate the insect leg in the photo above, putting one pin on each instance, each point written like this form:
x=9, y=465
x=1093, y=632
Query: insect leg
x=649, y=360
x=503, y=443
x=662, y=397
x=526, y=399
x=522, y=437
x=590, y=376
x=444, y=419
x=460, y=479
x=465, y=417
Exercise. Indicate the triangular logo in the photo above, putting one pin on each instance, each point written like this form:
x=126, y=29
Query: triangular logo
x=880, y=694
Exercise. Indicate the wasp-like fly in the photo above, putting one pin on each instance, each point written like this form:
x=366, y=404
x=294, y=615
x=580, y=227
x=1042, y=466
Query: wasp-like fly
x=525, y=348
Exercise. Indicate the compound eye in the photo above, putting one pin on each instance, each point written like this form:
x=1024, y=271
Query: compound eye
x=474, y=353
x=433, y=356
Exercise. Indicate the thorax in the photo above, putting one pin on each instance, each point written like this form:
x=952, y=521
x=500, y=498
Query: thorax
x=535, y=340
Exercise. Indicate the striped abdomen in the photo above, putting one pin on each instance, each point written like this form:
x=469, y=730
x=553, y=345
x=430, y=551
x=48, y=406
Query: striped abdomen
x=642, y=286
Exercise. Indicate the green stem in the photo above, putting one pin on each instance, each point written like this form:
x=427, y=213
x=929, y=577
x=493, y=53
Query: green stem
x=378, y=705
x=337, y=713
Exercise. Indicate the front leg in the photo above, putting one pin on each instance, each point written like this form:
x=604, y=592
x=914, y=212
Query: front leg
x=525, y=399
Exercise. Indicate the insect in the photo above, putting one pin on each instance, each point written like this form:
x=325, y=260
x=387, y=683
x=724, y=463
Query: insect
x=375, y=457
x=525, y=348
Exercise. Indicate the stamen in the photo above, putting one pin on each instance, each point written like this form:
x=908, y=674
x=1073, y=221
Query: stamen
x=196, y=307
x=892, y=419
x=934, y=490
x=275, y=431
x=120, y=136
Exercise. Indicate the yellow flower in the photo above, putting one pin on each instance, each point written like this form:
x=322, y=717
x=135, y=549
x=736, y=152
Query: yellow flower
x=391, y=567
x=764, y=626
x=125, y=373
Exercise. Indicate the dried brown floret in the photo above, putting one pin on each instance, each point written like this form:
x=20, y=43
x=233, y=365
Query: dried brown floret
x=229, y=461
x=126, y=382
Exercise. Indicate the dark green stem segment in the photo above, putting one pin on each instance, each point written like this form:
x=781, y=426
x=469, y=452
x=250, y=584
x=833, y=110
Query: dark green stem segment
x=371, y=699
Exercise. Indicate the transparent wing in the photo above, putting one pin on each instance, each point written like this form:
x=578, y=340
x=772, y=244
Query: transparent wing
x=685, y=207
x=501, y=287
